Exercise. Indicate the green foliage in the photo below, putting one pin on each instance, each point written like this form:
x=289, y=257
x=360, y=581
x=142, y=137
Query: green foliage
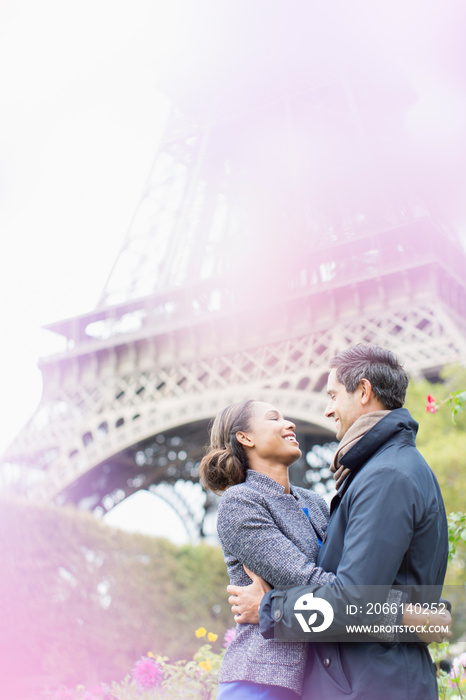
x=440, y=440
x=82, y=600
x=457, y=401
x=456, y=532
x=455, y=585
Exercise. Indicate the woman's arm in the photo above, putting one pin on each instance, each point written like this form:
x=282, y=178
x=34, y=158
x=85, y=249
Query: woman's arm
x=248, y=531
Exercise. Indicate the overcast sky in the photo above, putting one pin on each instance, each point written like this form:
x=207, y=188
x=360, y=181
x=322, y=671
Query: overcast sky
x=80, y=120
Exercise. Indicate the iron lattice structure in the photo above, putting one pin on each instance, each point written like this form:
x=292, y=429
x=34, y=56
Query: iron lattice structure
x=261, y=247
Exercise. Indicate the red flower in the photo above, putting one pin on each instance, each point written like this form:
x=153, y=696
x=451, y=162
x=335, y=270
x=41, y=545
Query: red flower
x=147, y=673
x=431, y=407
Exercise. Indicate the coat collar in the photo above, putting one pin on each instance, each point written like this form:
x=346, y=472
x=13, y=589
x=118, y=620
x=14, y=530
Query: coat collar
x=399, y=421
x=264, y=483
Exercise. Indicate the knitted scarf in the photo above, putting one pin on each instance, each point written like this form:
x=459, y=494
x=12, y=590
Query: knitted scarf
x=354, y=433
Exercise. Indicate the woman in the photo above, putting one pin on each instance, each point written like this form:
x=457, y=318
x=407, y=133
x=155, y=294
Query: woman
x=272, y=528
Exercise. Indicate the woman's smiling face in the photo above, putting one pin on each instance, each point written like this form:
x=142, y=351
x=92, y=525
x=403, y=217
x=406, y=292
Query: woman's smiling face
x=271, y=436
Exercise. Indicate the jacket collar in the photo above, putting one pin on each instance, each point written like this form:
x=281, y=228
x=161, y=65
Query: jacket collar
x=264, y=483
x=397, y=421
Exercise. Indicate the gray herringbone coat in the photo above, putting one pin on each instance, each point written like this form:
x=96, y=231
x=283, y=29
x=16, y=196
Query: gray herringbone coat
x=268, y=530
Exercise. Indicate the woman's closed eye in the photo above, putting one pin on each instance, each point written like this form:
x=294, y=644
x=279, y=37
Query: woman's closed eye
x=273, y=415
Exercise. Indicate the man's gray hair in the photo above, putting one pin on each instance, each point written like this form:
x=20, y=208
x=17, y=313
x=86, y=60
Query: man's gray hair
x=388, y=378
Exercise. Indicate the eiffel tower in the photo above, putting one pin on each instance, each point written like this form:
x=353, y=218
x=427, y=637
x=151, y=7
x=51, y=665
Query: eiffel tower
x=278, y=226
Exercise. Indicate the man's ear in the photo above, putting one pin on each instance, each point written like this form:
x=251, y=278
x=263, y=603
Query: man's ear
x=366, y=391
x=244, y=439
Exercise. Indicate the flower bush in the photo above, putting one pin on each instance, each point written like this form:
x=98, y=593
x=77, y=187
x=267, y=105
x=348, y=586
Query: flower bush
x=153, y=677
x=147, y=672
x=457, y=675
x=452, y=684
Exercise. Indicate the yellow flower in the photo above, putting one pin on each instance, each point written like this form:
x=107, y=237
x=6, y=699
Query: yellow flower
x=150, y=655
x=212, y=637
x=206, y=665
x=201, y=632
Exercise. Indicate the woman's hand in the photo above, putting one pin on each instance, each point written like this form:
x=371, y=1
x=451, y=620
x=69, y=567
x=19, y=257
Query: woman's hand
x=245, y=600
x=427, y=623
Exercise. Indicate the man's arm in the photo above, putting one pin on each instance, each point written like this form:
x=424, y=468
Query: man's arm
x=379, y=532
x=251, y=604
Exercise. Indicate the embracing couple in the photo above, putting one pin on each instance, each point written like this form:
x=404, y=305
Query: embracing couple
x=386, y=530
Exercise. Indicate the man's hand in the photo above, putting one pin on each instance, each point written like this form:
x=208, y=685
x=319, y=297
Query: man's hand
x=245, y=600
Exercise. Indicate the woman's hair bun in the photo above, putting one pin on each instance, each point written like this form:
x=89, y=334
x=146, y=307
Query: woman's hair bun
x=225, y=462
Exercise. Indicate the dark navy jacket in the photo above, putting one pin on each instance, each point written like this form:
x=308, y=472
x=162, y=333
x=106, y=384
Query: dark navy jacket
x=388, y=527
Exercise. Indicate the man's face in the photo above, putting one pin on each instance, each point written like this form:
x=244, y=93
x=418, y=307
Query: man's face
x=342, y=406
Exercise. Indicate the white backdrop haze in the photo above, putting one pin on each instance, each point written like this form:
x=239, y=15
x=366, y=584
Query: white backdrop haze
x=80, y=122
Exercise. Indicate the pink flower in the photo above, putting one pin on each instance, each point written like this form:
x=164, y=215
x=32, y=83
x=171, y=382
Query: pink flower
x=459, y=666
x=147, y=673
x=229, y=636
x=431, y=407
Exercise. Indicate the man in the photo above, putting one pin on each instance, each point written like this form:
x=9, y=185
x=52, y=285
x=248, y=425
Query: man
x=387, y=528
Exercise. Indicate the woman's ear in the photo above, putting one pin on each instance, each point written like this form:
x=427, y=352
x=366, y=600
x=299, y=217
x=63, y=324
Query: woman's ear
x=244, y=439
